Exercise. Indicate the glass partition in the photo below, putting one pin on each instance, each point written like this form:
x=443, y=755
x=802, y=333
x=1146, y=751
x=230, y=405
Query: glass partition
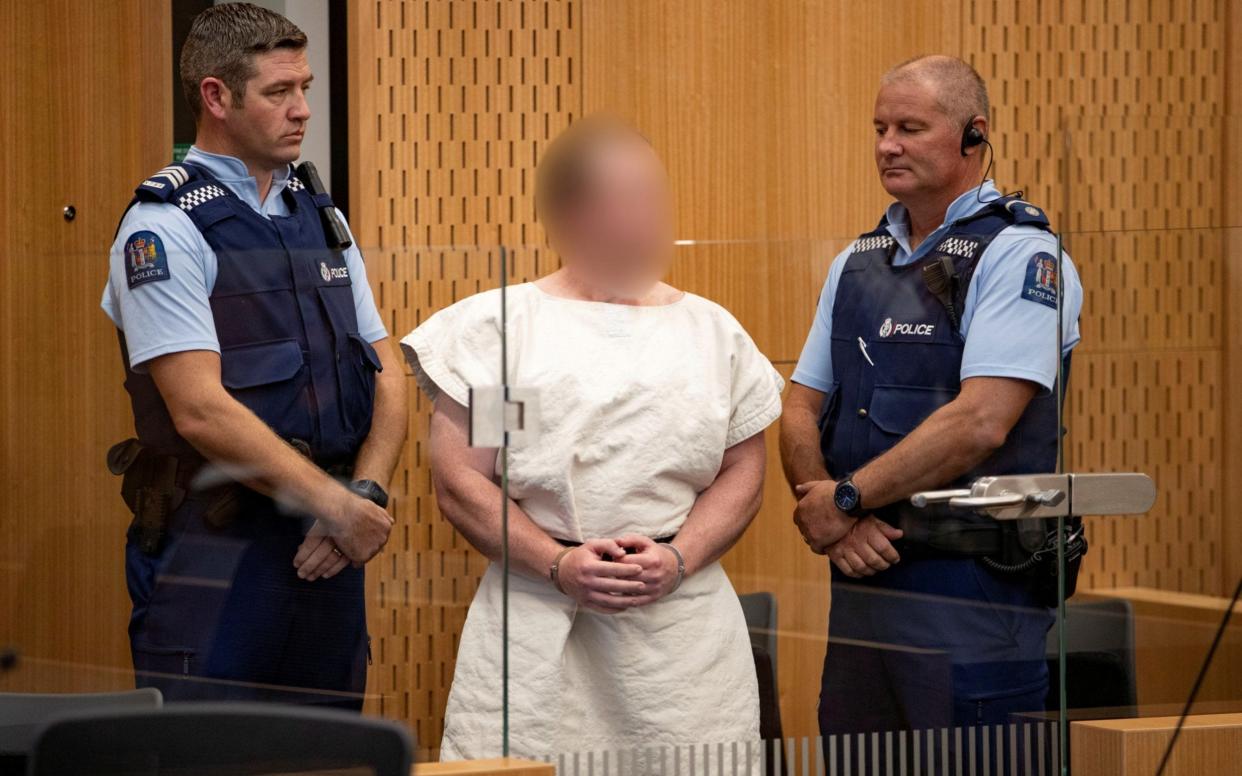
x=1127, y=382
x=652, y=691
x=620, y=542
x=1148, y=634
x=199, y=597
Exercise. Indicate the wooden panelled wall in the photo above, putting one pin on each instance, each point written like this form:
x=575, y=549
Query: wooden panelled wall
x=1113, y=116
x=1110, y=114
x=85, y=114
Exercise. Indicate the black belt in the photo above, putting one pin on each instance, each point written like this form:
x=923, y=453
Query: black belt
x=939, y=530
x=630, y=550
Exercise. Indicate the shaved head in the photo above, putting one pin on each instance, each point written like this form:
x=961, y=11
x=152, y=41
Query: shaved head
x=959, y=89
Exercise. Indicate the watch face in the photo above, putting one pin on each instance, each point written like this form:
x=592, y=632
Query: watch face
x=846, y=497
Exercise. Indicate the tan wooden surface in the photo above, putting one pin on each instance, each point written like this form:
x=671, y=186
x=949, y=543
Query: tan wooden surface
x=1173, y=632
x=500, y=766
x=1208, y=744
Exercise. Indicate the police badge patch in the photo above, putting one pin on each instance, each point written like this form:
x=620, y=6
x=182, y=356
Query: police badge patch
x=145, y=259
x=1041, y=280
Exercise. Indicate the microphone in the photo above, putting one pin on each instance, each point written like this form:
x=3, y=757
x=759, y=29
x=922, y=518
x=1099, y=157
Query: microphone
x=333, y=226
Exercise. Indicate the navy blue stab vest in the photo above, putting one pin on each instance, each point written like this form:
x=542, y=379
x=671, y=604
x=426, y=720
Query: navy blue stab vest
x=885, y=313
x=284, y=313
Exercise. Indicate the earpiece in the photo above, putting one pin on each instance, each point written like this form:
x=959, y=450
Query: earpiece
x=971, y=137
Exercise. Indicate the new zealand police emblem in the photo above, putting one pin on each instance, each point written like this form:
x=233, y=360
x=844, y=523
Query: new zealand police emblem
x=145, y=259
x=1041, y=280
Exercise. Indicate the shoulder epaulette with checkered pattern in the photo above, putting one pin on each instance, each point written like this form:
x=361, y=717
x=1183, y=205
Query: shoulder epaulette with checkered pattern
x=193, y=196
x=874, y=242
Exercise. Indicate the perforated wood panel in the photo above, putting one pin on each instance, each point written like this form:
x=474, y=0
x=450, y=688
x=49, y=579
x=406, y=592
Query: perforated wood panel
x=761, y=112
x=453, y=103
x=1126, y=98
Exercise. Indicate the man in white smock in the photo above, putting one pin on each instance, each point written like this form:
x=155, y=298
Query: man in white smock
x=625, y=632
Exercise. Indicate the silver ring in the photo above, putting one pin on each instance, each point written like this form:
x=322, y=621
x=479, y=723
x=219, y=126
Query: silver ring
x=337, y=551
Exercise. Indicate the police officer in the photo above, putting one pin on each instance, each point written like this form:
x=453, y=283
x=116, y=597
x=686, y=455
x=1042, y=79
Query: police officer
x=932, y=359
x=269, y=405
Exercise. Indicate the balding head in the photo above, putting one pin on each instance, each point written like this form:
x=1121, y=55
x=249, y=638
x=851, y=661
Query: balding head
x=959, y=89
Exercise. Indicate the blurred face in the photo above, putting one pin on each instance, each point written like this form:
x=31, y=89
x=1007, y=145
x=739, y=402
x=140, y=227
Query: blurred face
x=917, y=146
x=621, y=230
x=268, y=125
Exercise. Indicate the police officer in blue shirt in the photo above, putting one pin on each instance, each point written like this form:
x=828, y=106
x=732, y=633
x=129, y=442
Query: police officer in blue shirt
x=269, y=404
x=932, y=359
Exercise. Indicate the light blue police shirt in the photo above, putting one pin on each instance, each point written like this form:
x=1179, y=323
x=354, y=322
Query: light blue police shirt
x=1006, y=333
x=174, y=315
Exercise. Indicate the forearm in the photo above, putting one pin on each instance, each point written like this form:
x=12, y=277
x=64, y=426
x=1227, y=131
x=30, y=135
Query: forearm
x=723, y=511
x=950, y=443
x=801, y=457
x=377, y=458
x=233, y=438
x=472, y=503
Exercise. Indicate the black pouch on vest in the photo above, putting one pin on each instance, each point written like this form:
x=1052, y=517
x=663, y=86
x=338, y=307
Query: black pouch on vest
x=149, y=488
x=1039, y=563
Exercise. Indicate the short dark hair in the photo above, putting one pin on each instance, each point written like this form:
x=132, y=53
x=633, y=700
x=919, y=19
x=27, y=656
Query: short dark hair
x=222, y=43
x=563, y=175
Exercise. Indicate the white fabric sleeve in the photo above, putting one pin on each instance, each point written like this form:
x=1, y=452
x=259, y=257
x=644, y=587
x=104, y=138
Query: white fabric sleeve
x=755, y=393
x=457, y=348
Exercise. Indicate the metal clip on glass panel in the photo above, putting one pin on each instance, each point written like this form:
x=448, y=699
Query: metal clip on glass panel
x=503, y=417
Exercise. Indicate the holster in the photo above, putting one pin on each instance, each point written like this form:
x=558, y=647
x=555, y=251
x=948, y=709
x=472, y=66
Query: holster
x=1043, y=571
x=149, y=487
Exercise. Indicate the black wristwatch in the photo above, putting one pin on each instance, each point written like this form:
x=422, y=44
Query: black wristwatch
x=371, y=491
x=848, y=498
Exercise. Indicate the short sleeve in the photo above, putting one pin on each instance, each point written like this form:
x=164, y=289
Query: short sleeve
x=755, y=394
x=1010, y=319
x=457, y=348
x=160, y=277
x=370, y=325
x=814, y=369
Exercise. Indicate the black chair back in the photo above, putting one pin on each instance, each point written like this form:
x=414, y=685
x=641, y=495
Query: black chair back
x=202, y=739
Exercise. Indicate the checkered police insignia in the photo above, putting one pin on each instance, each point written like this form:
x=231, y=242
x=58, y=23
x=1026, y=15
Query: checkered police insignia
x=959, y=246
x=873, y=243
x=295, y=183
x=195, y=197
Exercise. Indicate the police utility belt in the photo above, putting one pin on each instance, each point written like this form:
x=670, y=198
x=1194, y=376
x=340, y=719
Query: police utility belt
x=1021, y=548
x=154, y=485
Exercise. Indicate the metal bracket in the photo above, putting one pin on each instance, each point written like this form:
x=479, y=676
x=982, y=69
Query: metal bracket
x=1021, y=496
x=503, y=417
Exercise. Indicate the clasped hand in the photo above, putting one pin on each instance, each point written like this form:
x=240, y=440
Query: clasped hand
x=353, y=530
x=858, y=547
x=601, y=575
